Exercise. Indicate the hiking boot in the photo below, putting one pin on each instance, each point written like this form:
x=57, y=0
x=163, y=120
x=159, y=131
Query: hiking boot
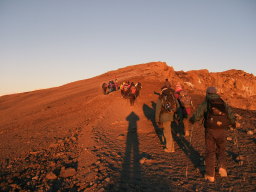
x=223, y=172
x=209, y=178
x=168, y=150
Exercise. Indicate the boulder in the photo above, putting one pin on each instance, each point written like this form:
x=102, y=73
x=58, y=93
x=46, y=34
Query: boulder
x=67, y=172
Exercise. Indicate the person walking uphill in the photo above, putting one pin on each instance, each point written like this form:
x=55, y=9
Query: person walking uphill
x=185, y=109
x=217, y=117
x=165, y=108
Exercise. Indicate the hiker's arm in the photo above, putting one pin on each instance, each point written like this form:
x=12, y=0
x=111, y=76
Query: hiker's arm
x=199, y=113
x=230, y=115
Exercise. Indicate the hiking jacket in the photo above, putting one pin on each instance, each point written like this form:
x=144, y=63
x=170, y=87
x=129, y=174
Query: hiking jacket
x=161, y=116
x=202, y=110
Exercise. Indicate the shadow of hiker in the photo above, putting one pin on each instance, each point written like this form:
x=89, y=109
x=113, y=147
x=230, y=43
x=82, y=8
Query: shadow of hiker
x=131, y=171
x=132, y=176
x=188, y=149
x=149, y=112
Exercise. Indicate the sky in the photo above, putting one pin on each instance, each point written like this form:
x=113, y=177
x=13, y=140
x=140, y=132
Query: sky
x=49, y=43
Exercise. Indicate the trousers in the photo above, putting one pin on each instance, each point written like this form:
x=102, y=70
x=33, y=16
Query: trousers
x=167, y=135
x=215, y=143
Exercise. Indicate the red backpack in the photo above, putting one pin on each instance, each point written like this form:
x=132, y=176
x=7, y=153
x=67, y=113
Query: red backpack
x=133, y=89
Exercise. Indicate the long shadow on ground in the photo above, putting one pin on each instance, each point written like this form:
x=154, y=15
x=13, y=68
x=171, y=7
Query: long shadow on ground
x=185, y=145
x=187, y=148
x=132, y=175
x=149, y=112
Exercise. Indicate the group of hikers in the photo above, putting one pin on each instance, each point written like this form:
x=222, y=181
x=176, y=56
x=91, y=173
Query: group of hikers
x=129, y=90
x=110, y=87
x=175, y=105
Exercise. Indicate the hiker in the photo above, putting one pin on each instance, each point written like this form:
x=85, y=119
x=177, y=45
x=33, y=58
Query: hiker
x=112, y=86
x=104, y=87
x=116, y=85
x=217, y=117
x=125, y=89
x=167, y=84
x=122, y=85
x=165, y=108
x=132, y=93
x=185, y=109
x=138, y=87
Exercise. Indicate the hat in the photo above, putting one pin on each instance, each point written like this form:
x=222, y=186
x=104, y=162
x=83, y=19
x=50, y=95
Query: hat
x=211, y=90
x=165, y=91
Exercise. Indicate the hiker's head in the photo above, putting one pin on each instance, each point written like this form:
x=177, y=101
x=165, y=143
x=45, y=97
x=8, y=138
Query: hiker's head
x=211, y=90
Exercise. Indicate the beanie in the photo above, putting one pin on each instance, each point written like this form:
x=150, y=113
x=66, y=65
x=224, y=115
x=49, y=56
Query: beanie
x=211, y=90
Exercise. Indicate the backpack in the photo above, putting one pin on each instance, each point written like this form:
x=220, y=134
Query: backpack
x=185, y=99
x=133, y=89
x=168, y=100
x=217, y=117
x=125, y=87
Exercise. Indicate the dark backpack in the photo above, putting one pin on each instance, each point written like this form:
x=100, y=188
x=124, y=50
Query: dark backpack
x=185, y=99
x=168, y=100
x=217, y=117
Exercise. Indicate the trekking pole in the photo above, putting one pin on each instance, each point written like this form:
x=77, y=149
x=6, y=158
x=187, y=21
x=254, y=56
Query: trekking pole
x=190, y=139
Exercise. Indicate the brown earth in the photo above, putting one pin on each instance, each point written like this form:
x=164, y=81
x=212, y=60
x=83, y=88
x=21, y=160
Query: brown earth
x=74, y=138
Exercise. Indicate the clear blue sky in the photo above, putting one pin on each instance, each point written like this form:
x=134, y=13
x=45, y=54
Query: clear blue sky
x=53, y=42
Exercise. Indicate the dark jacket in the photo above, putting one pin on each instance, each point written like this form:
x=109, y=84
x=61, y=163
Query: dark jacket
x=202, y=110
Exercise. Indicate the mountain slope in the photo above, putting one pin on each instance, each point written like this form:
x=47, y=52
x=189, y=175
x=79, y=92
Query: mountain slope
x=75, y=138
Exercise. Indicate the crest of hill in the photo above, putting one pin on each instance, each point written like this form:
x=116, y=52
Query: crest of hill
x=151, y=71
x=236, y=86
